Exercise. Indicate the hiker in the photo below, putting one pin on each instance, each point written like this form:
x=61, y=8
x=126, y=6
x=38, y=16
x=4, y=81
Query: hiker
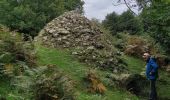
x=151, y=74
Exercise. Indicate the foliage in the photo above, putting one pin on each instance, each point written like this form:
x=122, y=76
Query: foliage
x=12, y=46
x=14, y=50
x=120, y=40
x=156, y=19
x=30, y=16
x=17, y=87
x=111, y=22
x=125, y=22
x=130, y=23
x=53, y=85
x=94, y=83
x=45, y=82
x=136, y=46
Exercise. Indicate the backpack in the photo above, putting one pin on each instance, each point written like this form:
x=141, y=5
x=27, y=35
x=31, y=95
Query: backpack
x=155, y=59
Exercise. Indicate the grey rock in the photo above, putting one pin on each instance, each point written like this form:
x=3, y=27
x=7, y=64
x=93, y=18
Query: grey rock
x=63, y=31
x=74, y=53
x=90, y=48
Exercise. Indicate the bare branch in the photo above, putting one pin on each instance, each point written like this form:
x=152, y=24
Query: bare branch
x=118, y=4
x=129, y=7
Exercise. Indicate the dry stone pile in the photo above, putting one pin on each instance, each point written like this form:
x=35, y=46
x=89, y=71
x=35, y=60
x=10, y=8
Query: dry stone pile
x=71, y=30
x=81, y=36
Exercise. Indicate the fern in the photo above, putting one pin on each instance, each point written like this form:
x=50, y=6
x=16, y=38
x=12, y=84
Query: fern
x=41, y=82
x=54, y=85
x=94, y=84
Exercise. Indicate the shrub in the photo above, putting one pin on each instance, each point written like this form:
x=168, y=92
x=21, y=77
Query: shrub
x=14, y=50
x=94, y=84
x=136, y=46
x=12, y=45
x=41, y=83
x=54, y=85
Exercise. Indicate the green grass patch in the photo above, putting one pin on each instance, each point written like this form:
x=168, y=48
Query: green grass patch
x=63, y=60
x=77, y=71
x=6, y=90
x=135, y=65
x=4, y=87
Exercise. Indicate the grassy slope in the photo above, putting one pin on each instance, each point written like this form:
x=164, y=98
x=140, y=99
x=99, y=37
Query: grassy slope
x=135, y=65
x=77, y=71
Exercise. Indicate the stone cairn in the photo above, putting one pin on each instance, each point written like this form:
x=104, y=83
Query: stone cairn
x=81, y=36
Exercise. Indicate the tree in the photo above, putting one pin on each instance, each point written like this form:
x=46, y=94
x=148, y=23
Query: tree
x=124, y=22
x=30, y=16
x=111, y=21
x=130, y=23
x=156, y=19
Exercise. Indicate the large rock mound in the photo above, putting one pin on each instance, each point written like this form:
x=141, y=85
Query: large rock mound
x=75, y=32
x=71, y=30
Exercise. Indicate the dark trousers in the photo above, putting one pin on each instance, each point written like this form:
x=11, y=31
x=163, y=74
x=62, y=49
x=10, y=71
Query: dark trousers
x=153, y=93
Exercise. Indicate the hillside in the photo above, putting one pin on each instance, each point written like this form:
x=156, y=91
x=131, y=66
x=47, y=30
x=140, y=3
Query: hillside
x=78, y=71
x=74, y=59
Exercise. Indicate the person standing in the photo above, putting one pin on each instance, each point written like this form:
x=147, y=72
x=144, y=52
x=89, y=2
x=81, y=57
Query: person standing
x=151, y=74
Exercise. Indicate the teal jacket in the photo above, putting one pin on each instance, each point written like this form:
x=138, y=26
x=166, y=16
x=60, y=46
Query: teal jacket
x=151, y=69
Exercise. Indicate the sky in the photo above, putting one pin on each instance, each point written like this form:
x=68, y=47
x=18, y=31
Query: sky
x=100, y=8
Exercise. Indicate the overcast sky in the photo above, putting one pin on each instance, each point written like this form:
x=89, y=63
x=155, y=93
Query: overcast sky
x=100, y=8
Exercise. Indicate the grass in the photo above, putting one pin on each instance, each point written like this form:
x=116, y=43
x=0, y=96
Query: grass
x=6, y=90
x=77, y=71
x=135, y=65
x=4, y=87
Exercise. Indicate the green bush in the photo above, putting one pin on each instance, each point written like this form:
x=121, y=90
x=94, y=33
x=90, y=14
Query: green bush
x=156, y=19
x=126, y=22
